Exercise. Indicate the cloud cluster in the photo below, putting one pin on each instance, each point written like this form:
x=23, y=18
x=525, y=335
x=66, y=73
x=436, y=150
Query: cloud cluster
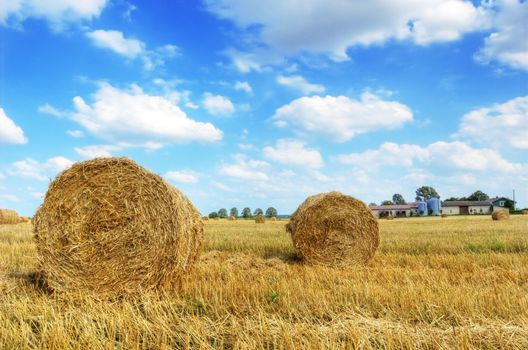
x=132, y=115
x=332, y=26
x=42, y=171
x=218, y=105
x=299, y=83
x=58, y=13
x=9, y=131
x=341, y=118
x=132, y=48
x=451, y=155
x=245, y=169
x=294, y=153
x=500, y=125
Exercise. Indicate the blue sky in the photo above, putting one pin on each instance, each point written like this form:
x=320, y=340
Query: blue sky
x=249, y=103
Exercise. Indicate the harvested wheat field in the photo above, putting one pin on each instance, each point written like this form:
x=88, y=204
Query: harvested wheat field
x=432, y=284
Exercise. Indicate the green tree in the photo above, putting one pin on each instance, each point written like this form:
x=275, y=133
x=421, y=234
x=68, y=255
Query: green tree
x=453, y=199
x=398, y=199
x=246, y=213
x=426, y=192
x=271, y=212
x=258, y=211
x=372, y=204
x=387, y=203
x=222, y=213
x=478, y=196
x=233, y=212
x=213, y=215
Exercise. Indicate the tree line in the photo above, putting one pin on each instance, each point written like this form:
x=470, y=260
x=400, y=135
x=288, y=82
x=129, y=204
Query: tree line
x=427, y=192
x=246, y=213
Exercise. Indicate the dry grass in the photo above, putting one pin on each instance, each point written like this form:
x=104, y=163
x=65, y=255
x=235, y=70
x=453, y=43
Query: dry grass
x=458, y=282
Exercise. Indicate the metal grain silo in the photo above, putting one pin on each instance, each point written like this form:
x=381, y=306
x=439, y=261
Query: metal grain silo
x=434, y=206
x=422, y=208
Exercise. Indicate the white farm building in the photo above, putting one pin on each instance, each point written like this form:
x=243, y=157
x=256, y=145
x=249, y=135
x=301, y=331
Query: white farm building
x=473, y=207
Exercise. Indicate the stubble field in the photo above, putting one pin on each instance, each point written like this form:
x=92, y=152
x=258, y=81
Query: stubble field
x=459, y=282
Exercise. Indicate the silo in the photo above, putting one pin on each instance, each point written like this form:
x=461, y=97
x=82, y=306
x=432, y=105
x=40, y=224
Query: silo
x=422, y=208
x=433, y=206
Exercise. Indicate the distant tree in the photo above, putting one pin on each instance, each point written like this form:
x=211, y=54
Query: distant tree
x=246, y=212
x=508, y=203
x=426, y=192
x=453, y=199
x=372, y=204
x=222, y=213
x=398, y=199
x=233, y=212
x=271, y=212
x=258, y=211
x=478, y=196
x=387, y=203
x=213, y=214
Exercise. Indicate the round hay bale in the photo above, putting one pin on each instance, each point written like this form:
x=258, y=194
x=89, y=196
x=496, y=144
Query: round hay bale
x=259, y=219
x=110, y=227
x=389, y=217
x=205, y=218
x=334, y=229
x=231, y=218
x=524, y=212
x=500, y=215
x=8, y=216
x=273, y=218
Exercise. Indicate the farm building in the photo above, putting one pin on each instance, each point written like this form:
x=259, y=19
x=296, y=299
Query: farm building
x=473, y=207
x=409, y=209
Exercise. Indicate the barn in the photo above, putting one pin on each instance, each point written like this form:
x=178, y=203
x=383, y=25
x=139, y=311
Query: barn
x=473, y=207
x=409, y=209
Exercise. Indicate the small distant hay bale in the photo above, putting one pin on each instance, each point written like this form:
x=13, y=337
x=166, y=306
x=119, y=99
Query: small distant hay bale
x=500, y=215
x=216, y=218
x=109, y=227
x=524, y=212
x=205, y=218
x=273, y=218
x=259, y=219
x=8, y=216
x=231, y=218
x=443, y=216
x=334, y=229
x=389, y=217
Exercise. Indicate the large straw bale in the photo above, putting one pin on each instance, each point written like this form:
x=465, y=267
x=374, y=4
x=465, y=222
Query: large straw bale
x=111, y=227
x=8, y=216
x=500, y=214
x=334, y=229
x=259, y=219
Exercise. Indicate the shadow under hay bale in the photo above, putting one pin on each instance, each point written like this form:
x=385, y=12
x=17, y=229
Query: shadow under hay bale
x=110, y=227
x=8, y=216
x=333, y=229
x=500, y=215
x=443, y=216
x=259, y=219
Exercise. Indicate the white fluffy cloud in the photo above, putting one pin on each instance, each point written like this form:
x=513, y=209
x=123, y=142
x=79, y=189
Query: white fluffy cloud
x=9, y=131
x=75, y=133
x=299, y=83
x=132, y=48
x=132, y=115
x=31, y=168
x=94, y=151
x=244, y=86
x=341, y=118
x=245, y=169
x=294, y=153
x=116, y=41
x=453, y=155
x=182, y=176
x=500, y=125
x=57, y=12
x=507, y=44
x=217, y=104
x=332, y=26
